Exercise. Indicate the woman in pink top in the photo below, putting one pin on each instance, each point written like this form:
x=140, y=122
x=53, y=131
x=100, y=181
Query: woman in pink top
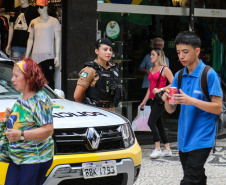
x=156, y=121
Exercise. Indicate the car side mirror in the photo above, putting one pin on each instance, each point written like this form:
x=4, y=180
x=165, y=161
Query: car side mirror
x=59, y=93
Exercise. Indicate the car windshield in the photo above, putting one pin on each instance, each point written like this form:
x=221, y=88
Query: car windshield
x=7, y=90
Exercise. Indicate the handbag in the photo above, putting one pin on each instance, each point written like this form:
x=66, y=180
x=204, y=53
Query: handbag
x=140, y=123
x=4, y=142
x=158, y=96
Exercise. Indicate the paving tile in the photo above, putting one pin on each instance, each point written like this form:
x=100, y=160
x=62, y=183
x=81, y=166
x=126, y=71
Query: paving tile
x=168, y=170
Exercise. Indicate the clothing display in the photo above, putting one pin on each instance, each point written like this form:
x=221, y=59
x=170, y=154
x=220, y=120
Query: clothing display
x=27, y=115
x=43, y=46
x=21, y=17
x=4, y=30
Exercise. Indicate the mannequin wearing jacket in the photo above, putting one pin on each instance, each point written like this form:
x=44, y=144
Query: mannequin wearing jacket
x=44, y=41
x=19, y=21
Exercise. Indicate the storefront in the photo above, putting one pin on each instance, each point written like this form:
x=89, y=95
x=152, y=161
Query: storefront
x=131, y=24
x=135, y=23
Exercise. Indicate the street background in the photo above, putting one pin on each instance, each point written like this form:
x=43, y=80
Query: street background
x=168, y=170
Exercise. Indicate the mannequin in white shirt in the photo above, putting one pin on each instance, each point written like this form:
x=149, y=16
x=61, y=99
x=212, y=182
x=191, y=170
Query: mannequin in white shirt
x=57, y=34
x=44, y=42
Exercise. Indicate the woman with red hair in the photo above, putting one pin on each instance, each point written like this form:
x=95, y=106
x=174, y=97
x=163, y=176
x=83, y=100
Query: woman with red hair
x=29, y=127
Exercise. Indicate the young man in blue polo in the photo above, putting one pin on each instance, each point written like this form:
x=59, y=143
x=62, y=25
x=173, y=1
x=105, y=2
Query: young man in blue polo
x=197, y=120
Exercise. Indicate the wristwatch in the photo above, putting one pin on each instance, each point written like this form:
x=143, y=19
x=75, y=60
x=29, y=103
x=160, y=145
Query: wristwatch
x=161, y=89
x=22, y=135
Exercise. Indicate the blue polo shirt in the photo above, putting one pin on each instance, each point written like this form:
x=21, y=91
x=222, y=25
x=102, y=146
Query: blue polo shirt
x=196, y=128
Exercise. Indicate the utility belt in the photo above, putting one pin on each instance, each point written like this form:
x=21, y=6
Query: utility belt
x=97, y=103
x=105, y=104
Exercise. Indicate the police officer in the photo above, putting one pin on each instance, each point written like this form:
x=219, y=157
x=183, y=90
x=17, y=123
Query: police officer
x=99, y=82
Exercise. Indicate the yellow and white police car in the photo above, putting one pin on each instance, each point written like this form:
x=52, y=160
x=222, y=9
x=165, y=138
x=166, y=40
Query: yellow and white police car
x=92, y=145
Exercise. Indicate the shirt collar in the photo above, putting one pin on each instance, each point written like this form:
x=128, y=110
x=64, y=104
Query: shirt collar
x=108, y=64
x=196, y=72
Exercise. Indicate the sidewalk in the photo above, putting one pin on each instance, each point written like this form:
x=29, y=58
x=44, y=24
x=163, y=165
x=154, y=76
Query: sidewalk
x=168, y=170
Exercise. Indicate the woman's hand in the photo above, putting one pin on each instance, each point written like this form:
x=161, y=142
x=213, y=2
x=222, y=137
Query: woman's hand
x=7, y=112
x=37, y=134
x=156, y=90
x=13, y=135
x=142, y=105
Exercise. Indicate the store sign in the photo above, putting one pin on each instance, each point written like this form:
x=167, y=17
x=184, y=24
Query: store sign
x=112, y=30
x=217, y=13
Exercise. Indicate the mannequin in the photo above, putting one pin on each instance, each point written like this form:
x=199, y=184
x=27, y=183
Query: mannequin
x=45, y=34
x=20, y=19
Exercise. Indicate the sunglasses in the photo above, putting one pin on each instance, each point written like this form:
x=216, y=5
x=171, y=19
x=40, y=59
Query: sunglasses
x=41, y=7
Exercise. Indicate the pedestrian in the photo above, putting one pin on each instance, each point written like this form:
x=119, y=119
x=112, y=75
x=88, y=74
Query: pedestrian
x=146, y=64
x=197, y=119
x=29, y=127
x=156, y=121
x=99, y=79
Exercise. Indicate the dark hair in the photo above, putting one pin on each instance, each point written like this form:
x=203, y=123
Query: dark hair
x=105, y=41
x=35, y=78
x=188, y=38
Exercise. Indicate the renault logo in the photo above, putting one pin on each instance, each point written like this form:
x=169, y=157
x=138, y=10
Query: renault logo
x=93, y=139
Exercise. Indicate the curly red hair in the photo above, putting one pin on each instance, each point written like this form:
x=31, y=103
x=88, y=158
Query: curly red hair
x=35, y=78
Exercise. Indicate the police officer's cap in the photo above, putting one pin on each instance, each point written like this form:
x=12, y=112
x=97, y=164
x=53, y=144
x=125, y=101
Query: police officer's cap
x=105, y=41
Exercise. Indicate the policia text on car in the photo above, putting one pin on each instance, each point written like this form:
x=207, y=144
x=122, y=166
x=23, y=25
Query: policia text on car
x=99, y=82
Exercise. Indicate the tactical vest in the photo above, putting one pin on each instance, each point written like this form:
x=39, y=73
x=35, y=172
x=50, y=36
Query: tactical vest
x=104, y=87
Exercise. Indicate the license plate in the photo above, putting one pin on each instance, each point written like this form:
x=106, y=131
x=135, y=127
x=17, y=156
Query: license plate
x=99, y=169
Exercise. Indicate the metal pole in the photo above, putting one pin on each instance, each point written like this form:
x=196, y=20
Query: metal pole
x=192, y=12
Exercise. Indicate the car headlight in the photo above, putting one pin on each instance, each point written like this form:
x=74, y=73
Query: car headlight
x=127, y=135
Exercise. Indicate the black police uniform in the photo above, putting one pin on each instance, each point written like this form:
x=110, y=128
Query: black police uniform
x=108, y=91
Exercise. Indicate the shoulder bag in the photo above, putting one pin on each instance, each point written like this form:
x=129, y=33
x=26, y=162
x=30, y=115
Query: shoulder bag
x=158, y=96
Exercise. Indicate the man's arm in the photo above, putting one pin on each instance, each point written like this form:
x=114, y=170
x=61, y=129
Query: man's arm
x=167, y=61
x=143, y=70
x=215, y=106
x=143, y=64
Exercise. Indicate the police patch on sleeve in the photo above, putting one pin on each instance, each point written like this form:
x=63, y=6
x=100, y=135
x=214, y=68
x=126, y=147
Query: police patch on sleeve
x=84, y=74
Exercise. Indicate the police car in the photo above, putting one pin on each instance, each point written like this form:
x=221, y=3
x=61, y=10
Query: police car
x=92, y=145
